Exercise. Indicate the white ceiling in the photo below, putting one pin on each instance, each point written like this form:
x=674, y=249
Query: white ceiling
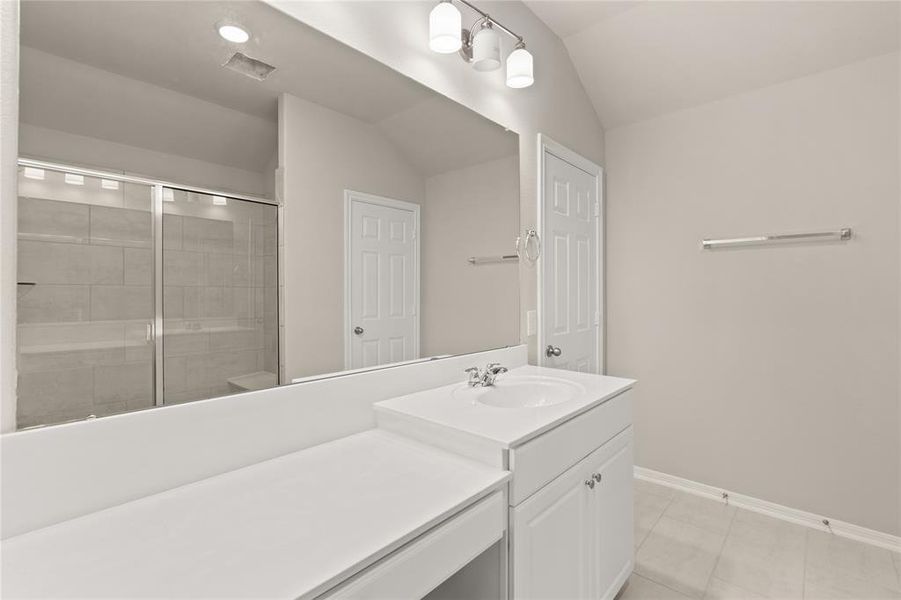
x=170, y=93
x=642, y=59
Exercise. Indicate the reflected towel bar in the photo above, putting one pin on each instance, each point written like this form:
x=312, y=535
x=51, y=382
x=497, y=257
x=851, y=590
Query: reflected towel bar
x=843, y=234
x=487, y=260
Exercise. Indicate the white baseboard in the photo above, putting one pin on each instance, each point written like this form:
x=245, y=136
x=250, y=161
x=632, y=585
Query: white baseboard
x=792, y=515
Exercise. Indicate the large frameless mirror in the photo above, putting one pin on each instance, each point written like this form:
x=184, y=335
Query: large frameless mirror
x=201, y=216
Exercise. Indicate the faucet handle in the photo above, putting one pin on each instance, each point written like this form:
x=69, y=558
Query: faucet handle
x=474, y=375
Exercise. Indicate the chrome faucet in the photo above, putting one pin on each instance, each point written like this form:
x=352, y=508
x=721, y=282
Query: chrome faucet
x=486, y=378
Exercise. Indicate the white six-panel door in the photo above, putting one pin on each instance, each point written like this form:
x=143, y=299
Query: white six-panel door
x=382, y=281
x=570, y=315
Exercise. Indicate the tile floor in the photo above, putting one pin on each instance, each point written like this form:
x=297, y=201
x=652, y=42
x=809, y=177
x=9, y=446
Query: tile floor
x=692, y=547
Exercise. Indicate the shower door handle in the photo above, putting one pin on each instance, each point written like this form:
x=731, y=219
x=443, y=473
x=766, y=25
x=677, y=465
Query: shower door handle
x=148, y=333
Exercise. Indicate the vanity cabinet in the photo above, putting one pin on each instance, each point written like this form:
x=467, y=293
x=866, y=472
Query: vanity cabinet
x=573, y=538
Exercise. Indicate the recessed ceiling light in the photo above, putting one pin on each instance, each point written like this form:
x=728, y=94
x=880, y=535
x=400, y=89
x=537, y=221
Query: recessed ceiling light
x=33, y=173
x=219, y=201
x=109, y=184
x=234, y=34
x=73, y=179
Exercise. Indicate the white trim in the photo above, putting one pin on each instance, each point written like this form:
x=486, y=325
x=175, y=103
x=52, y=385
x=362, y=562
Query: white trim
x=548, y=146
x=771, y=509
x=351, y=196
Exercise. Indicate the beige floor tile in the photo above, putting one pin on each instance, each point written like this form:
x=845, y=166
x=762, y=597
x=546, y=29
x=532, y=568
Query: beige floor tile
x=723, y=590
x=831, y=553
x=679, y=555
x=646, y=487
x=764, y=555
x=838, y=585
x=648, y=508
x=640, y=588
x=701, y=512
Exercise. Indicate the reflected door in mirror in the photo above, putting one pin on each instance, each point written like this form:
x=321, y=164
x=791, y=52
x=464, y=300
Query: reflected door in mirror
x=382, y=277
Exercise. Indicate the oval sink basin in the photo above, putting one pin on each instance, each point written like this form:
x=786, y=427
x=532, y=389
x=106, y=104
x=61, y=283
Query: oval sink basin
x=525, y=391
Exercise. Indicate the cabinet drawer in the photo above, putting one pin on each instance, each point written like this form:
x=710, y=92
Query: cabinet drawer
x=538, y=461
x=417, y=568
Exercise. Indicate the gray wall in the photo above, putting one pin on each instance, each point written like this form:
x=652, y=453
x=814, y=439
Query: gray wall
x=769, y=371
x=473, y=211
x=322, y=153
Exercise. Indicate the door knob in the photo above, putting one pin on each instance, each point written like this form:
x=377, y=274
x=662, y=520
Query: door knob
x=596, y=477
x=358, y=330
x=552, y=351
x=590, y=483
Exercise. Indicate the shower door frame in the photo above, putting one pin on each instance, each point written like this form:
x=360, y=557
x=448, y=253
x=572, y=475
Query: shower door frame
x=156, y=212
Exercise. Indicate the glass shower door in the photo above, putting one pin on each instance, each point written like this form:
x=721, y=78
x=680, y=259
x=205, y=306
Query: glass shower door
x=85, y=299
x=219, y=296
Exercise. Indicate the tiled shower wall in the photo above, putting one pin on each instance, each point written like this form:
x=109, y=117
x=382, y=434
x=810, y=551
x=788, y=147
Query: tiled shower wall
x=83, y=341
x=83, y=345
x=220, y=286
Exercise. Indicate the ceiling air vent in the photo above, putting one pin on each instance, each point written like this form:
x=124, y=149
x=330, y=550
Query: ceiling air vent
x=251, y=67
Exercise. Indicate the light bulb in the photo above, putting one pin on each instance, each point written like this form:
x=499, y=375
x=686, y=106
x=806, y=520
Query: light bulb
x=33, y=173
x=520, y=69
x=486, y=49
x=445, y=24
x=233, y=34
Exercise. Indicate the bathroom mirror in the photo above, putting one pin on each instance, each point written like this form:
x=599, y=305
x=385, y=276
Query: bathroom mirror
x=215, y=198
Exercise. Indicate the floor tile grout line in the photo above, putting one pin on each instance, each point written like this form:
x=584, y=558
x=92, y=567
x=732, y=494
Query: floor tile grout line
x=654, y=524
x=654, y=581
x=720, y=553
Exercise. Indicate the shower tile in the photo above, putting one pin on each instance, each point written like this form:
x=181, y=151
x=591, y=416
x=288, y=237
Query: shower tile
x=56, y=395
x=117, y=302
x=56, y=263
x=218, y=302
x=137, y=196
x=138, y=266
x=181, y=343
x=51, y=220
x=173, y=302
x=30, y=362
x=121, y=227
x=207, y=235
x=236, y=340
x=175, y=374
x=54, y=304
x=182, y=268
x=218, y=269
x=172, y=232
x=128, y=384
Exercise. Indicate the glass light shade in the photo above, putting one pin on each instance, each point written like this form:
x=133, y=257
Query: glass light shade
x=445, y=24
x=486, y=50
x=520, y=72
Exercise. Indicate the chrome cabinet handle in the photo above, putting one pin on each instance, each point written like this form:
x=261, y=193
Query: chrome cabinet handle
x=596, y=477
x=358, y=330
x=590, y=483
x=552, y=351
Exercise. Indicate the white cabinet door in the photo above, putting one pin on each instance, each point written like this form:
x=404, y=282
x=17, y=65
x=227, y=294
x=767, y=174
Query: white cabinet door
x=552, y=542
x=613, y=523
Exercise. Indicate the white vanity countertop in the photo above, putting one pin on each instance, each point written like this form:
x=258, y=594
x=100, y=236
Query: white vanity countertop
x=289, y=527
x=505, y=427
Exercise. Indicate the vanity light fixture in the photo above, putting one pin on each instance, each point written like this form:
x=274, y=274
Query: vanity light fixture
x=33, y=173
x=480, y=44
x=445, y=24
x=220, y=200
x=109, y=184
x=73, y=179
x=233, y=33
